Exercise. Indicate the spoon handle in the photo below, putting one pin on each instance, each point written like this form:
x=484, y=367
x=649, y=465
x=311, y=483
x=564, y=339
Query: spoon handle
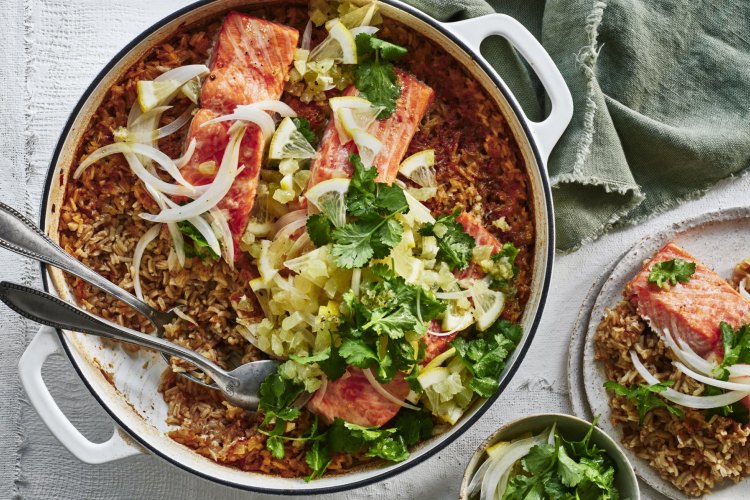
x=48, y=310
x=18, y=234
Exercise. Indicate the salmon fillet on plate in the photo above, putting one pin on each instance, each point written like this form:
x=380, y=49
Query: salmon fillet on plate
x=250, y=63
x=693, y=310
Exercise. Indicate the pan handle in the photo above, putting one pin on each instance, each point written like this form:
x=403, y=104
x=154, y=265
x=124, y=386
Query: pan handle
x=473, y=31
x=46, y=343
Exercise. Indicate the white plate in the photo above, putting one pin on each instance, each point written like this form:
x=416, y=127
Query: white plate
x=720, y=240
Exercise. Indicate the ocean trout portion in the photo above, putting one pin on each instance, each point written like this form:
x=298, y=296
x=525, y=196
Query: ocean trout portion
x=394, y=132
x=693, y=310
x=249, y=63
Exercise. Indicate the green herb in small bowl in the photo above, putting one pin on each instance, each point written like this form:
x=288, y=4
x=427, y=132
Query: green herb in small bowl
x=549, y=456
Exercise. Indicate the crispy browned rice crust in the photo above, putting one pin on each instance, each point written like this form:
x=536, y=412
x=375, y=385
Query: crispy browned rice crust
x=478, y=163
x=691, y=452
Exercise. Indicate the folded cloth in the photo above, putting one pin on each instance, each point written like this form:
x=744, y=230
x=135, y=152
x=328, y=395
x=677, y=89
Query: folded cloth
x=661, y=90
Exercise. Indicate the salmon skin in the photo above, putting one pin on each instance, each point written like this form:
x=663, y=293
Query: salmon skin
x=693, y=310
x=250, y=62
x=394, y=132
x=353, y=399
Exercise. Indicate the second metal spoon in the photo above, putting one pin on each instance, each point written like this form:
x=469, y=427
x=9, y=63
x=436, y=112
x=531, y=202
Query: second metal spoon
x=240, y=386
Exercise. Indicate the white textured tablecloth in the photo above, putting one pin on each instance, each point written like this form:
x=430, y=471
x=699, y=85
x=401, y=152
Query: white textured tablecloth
x=49, y=52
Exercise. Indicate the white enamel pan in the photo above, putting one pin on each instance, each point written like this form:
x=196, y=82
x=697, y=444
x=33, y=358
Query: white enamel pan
x=129, y=392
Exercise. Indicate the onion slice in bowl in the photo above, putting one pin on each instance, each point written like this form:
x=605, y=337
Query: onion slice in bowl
x=140, y=248
x=687, y=400
x=384, y=392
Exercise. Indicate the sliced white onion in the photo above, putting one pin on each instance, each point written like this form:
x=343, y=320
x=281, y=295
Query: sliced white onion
x=185, y=158
x=177, y=239
x=216, y=190
x=202, y=226
x=370, y=30
x=383, y=392
x=299, y=244
x=476, y=479
x=164, y=161
x=356, y=280
x=146, y=118
x=449, y=332
x=288, y=230
x=462, y=294
x=739, y=370
x=286, y=219
x=184, y=73
x=743, y=291
x=730, y=386
x=178, y=312
x=220, y=223
x=683, y=352
x=306, y=37
x=102, y=152
x=175, y=125
x=275, y=106
x=696, y=402
x=257, y=113
x=150, y=179
x=495, y=479
x=140, y=247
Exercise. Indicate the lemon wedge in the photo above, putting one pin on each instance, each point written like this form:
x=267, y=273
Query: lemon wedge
x=419, y=168
x=151, y=93
x=288, y=142
x=329, y=197
x=407, y=266
x=351, y=113
x=488, y=305
x=368, y=146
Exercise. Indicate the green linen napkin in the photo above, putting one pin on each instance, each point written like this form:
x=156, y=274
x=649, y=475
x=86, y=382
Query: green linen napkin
x=661, y=90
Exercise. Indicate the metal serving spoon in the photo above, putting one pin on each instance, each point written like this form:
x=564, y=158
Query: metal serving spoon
x=240, y=386
x=19, y=234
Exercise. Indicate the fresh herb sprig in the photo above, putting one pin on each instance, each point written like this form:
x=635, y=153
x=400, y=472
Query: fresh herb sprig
x=196, y=246
x=303, y=127
x=736, y=344
x=645, y=397
x=485, y=355
x=565, y=469
x=374, y=76
x=671, y=272
x=371, y=231
x=455, y=246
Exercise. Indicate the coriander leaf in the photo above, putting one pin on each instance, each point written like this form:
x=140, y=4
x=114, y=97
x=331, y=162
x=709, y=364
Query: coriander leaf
x=377, y=82
x=389, y=448
x=341, y=439
x=360, y=198
x=390, y=198
x=357, y=353
x=275, y=444
x=736, y=346
x=335, y=366
x=671, y=271
x=303, y=127
x=455, y=246
x=392, y=323
x=484, y=386
x=645, y=397
x=353, y=243
x=570, y=472
x=736, y=411
x=319, y=227
x=540, y=459
x=196, y=245
x=386, y=237
x=369, y=45
x=276, y=397
x=318, y=459
x=414, y=426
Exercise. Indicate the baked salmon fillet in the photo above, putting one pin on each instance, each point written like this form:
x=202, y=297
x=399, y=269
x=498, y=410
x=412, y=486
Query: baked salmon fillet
x=250, y=63
x=395, y=132
x=692, y=310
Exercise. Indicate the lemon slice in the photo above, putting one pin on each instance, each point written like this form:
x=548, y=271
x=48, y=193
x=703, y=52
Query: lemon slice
x=368, y=146
x=153, y=93
x=488, y=305
x=330, y=198
x=455, y=319
x=351, y=113
x=345, y=39
x=497, y=449
x=419, y=168
x=406, y=266
x=192, y=89
x=288, y=142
